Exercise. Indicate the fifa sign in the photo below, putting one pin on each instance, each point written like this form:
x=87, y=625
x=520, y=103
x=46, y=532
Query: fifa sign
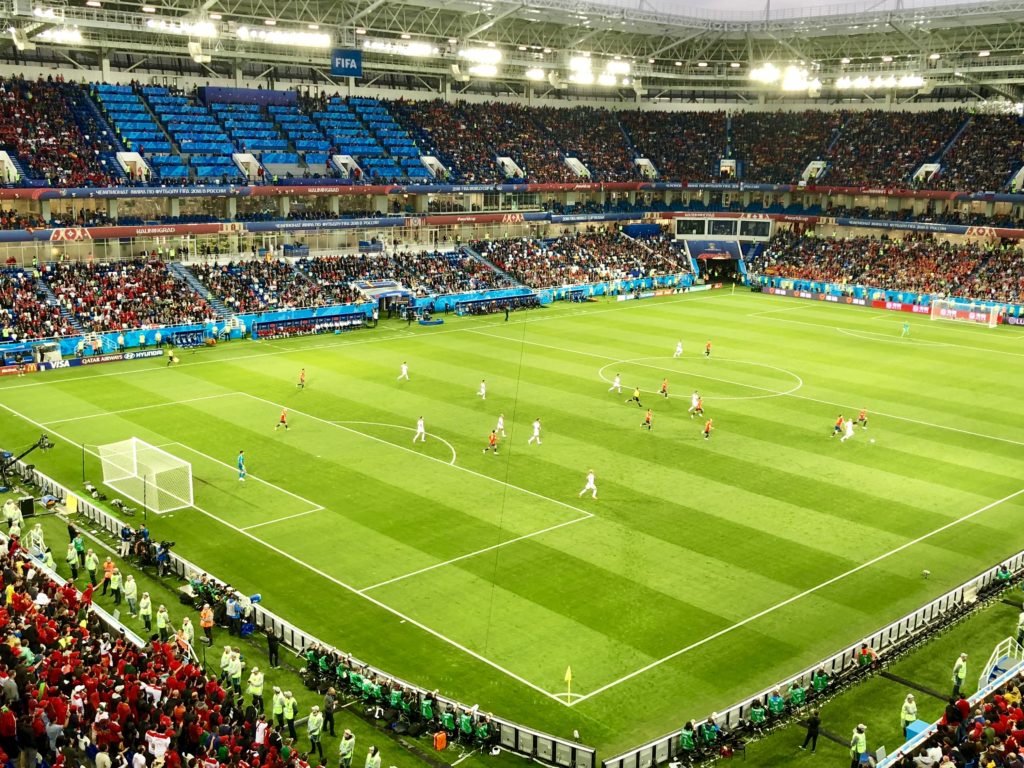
x=346, y=63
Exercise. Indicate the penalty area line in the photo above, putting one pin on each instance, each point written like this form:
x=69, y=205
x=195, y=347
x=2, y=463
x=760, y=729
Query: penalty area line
x=334, y=580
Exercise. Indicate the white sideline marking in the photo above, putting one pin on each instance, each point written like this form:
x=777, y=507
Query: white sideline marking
x=282, y=519
x=140, y=408
x=793, y=394
x=474, y=554
x=794, y=598
x=408, y=429
x=313, y=569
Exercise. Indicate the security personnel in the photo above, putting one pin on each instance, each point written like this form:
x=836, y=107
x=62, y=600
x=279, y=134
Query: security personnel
x=858, y=744
x=346, y=749
x=255, y=688
x=206, y=622
x=146, y=611
x=163, y=623
x=291, y=709
x=277, y=707
x=108, y=570
x=225, y=660
x=115, y=585
x=235, y=671
x=315, y=727
x=92, y=564
x=373, y=758
x=188, y=632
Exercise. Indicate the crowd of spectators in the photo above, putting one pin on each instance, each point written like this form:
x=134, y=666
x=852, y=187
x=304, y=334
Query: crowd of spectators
x=263, y=284
x=124, y=295
x=24, y=312
x=683, y=146
x=881, y=148
x=594, y=137
x=985, y=155
x=917, y=264
x=577, y=259
x=776, y=147
x=37, y=123
x=425, y=272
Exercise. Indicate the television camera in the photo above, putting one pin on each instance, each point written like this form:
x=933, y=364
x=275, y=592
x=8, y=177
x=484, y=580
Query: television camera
x=8, y=461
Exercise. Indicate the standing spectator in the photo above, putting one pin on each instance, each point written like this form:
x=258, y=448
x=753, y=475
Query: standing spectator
x=131, y=595
x=315, y=727
x=273, y=643
x=79, y=543
x=115, y=585
x=330, y=704
x=255, y=688
x=146, y=611
x=858, y=745
x=373, y=758
x=346, y=748
x=277, y=707
x=72, y=558
x=235, y=672
x=908, y=714
x=291, y=709
x=92, y=564
x=232, y=611
x=959, y=673
x=206, y=622
x=813, y=725
x=163, y=623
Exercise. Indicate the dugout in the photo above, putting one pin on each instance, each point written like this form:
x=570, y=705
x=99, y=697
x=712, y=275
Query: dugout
x=489, y=306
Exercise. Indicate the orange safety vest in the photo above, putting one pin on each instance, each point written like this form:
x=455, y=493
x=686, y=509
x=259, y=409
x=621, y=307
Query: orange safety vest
x=206, y=618
x=108, y=570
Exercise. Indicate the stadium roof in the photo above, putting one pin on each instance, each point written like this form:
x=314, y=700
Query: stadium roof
x=958, y=49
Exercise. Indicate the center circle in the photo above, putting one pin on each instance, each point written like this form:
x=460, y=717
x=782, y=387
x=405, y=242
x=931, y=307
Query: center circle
x=670, y=365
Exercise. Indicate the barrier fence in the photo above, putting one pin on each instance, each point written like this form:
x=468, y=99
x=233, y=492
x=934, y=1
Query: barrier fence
x=511, y=736
x=662, y=750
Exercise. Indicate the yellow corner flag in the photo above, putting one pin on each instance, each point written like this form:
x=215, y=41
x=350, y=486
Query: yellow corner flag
x=568, y=683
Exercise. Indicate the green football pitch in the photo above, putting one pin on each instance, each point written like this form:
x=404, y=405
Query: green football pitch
x=704, y=571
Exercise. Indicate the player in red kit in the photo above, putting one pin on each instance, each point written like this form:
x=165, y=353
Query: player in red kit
x=283, y=422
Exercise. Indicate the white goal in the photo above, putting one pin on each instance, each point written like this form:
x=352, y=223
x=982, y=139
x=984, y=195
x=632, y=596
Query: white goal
x=962, y=311
x=147, y=475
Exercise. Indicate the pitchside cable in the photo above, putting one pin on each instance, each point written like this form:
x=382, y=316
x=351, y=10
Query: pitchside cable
x=505, y=487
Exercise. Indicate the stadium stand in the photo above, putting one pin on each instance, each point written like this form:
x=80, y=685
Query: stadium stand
x=26, y=313
x=424, y=271
x=985, y=156
x=683, y=146
x=38, y=128
x=776, y=147
x=254, y=286
x=123, y=295
x=577, y=259
x=886, y=148
x=919, y=264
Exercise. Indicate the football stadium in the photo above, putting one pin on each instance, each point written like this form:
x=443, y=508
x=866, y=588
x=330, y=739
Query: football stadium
x=595, y=383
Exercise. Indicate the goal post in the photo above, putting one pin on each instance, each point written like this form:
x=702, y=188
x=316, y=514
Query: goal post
x=963, y=311
x=147, y=475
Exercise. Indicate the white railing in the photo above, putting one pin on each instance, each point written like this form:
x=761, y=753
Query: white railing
x=511, y=735
x=1008, y=650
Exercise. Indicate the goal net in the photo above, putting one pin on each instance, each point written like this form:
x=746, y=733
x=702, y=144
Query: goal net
x=959, y=310
x=154, y=478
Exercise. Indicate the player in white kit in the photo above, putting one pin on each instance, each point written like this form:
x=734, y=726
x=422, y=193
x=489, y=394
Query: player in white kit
x=694, y=403
x=590, y=486
x=483, y=389
x=616, y=384
x=500, y=429
x=405, y=372
x=848, y=424
x=421, y=431
x=679, y=349
x=536, y=432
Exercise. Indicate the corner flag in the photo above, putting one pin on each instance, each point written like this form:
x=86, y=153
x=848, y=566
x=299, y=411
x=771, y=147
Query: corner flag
x=568, y=683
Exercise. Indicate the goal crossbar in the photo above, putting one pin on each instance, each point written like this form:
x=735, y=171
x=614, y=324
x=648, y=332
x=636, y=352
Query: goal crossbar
x=961, y=311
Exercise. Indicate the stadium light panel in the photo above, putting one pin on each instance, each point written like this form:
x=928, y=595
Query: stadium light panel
x=766, y=73
x=935, y=56
x=702, y=64
x=151, y=9
x=61, y=35
x=606, y=79
x=617, y=68
x=360, y=31
x=844, y=60
x=536, y=73
x=582, y=77
x=400, y=49
x=887, y=59
x=579, y=64
x=483, y=70
x=984, y=54
x=93, y=3
x=295, y=38
x=206, y=29
x=481, y=55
